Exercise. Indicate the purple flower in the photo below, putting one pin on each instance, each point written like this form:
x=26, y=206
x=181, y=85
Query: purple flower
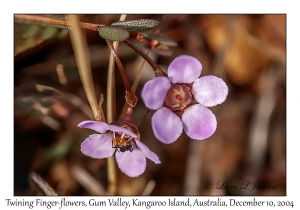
x=181, y=101
x=132, y=153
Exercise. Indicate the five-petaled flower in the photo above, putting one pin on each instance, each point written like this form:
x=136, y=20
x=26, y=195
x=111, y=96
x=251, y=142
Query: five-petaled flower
x=131, y=152
x=183, y=94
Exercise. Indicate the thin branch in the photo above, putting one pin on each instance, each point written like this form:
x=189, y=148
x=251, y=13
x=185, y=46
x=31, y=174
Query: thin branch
x=55, y=22
x=42, y=184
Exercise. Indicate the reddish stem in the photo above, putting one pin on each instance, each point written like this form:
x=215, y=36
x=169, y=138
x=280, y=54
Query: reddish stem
x=130, y=97
x=157, y=70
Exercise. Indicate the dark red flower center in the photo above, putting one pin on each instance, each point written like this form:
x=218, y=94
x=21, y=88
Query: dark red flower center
x=178, y=97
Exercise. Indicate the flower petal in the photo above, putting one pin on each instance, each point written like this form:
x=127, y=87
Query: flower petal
x=132, y=163
x=166, y=125
x=98, y=126
x=147, y=152
x=199, y=122
x=116, y=128
x=98, y=146
x=154, y=92
x=210, y=90
x=184, y=69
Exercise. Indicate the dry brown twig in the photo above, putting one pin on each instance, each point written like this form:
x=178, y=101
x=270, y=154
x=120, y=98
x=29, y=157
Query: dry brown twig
x=42, y=184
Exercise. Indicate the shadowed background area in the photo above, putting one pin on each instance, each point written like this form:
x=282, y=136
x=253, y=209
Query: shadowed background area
x=245, y=156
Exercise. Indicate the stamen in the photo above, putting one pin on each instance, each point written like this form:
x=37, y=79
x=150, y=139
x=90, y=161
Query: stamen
x=181, y=91
x=175, y=105
x=175, y=90
x=178, y=97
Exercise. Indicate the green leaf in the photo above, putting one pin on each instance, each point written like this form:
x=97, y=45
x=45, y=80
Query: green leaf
x=137, y=25
x=113, y=33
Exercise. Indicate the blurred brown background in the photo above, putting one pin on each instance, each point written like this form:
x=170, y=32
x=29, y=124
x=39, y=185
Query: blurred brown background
x=249, y=146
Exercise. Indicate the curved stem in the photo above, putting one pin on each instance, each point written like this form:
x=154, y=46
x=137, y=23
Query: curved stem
x=131, y=99
x=157, y=70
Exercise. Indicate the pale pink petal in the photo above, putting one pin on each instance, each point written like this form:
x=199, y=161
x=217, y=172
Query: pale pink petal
x=184, y=69
x=119, y=129
x=100, y=127
x=132, y=163
x=154, y=92
x=210, y=90
x=98, y=146
x=147, y=152
x=199, y=122
x=166, y=125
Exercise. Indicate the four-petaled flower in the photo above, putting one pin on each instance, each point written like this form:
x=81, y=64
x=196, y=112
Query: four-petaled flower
x=132, y=153
x=183, y=94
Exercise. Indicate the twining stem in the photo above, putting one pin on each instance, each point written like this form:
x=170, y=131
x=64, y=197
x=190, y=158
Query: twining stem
x=53, y=21
x=157, y=70
x=84, y=67
x=131, y=99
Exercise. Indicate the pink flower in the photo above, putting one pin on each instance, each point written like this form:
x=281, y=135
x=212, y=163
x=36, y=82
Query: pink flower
x=181, y=101
x=132, y=153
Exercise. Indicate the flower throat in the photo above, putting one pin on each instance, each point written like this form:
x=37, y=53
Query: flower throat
x=178, y=97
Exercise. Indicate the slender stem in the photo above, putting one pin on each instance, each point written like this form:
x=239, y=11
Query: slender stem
x=131, y=99
x=84, y=67
x=53, y=21
x=43, y=185
x=139, y=74
x=120, y=66
x=143, y=118
x=111, y=90
x=157, y=70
